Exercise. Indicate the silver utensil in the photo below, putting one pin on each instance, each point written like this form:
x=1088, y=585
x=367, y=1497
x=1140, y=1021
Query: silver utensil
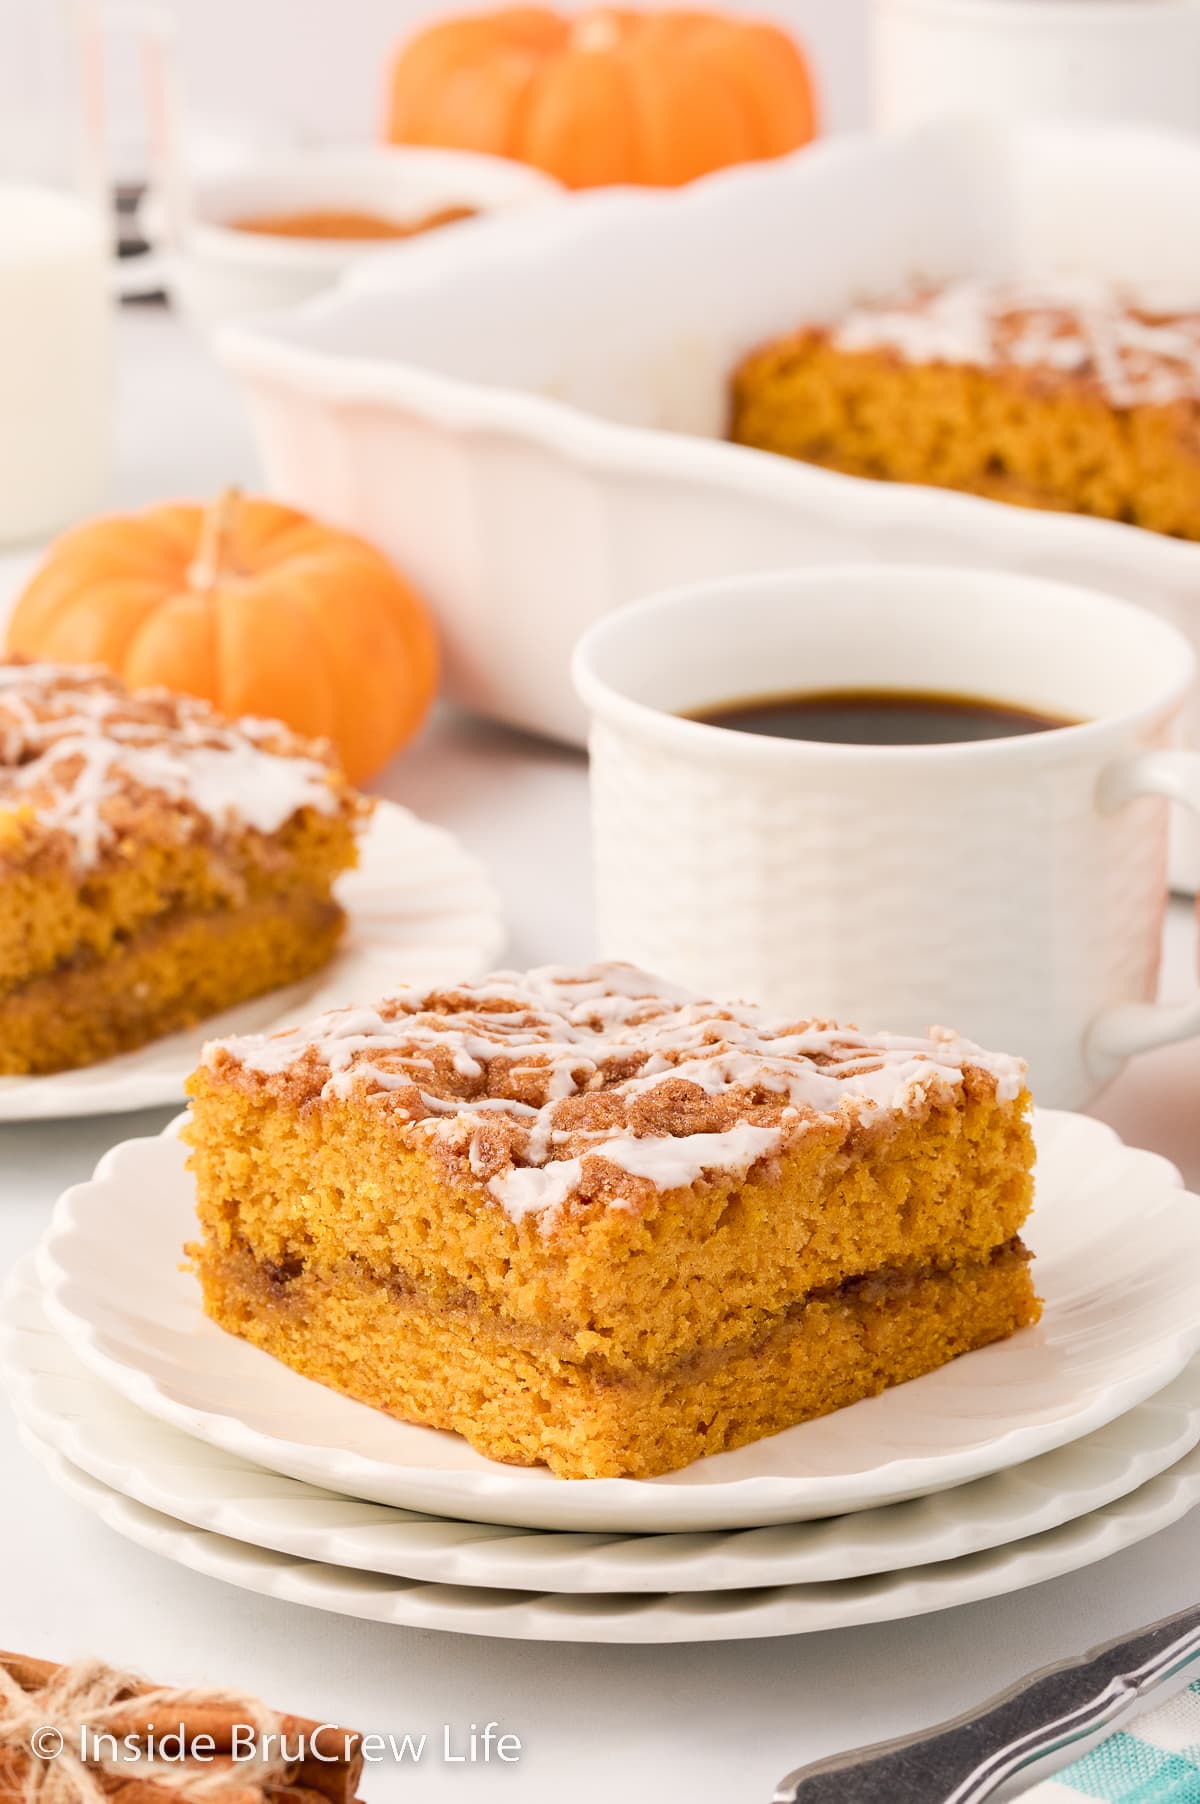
x=965, y=1760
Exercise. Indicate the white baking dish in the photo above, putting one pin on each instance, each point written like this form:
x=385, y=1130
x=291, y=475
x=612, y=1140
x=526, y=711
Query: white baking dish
x=529, y=419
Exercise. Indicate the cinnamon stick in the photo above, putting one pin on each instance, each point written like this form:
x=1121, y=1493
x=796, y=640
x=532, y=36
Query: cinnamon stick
x=133, y=1707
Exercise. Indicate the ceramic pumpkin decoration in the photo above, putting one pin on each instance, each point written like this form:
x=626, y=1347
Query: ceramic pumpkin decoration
x=605, y=96
x=254, y=606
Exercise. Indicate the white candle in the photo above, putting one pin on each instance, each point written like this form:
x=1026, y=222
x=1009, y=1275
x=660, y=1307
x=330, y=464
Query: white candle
x=1120, y=61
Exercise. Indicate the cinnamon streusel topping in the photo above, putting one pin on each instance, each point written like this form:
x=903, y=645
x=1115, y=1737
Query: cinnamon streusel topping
x=90, y=763
x=529, y=1077
x=1133, y=348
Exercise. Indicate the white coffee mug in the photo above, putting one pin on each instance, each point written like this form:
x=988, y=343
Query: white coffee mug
x=1012, y=888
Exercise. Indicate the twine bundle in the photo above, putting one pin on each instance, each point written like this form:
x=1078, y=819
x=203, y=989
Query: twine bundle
x=45, y=1757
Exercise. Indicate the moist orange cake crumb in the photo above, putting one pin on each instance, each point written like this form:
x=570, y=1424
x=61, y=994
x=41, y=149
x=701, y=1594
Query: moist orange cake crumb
x=586, y=1220
x=1066, y=394
x=157, y=863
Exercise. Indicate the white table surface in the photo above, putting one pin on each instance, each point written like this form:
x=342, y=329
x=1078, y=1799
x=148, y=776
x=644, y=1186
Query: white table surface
x=707, y=1723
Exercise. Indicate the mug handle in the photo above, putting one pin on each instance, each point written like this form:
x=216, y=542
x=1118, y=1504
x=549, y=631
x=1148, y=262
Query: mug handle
x=1131, y=1027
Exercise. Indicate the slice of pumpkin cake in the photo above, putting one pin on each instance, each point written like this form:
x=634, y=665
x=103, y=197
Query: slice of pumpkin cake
x=586, y=1220
x=157, y=862
x=1067, y=394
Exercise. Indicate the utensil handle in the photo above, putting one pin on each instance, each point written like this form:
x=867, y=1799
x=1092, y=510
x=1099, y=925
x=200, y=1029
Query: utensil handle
x=1131, y=1027
x=964, y=1761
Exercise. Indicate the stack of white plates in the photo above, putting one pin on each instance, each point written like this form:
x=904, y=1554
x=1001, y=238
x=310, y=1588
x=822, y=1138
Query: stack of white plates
x=1013, y=1465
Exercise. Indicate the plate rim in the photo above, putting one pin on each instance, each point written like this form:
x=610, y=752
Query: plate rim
x=138, y=1478
x=755, y=1613
x=503, y=1494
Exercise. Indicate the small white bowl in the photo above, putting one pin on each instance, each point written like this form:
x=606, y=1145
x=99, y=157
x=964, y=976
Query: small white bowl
x=218, y=271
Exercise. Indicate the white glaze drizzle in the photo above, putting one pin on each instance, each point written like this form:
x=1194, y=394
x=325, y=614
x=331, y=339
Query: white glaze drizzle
x=669, y=1162
x=72, y=739
x=1139, y=348
x=607, y=1028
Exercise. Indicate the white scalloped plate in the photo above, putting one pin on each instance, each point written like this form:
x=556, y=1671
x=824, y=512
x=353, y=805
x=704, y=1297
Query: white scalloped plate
x=71, y=1411
x=1117, y=1242
x=623, y=1617
x=418, y=906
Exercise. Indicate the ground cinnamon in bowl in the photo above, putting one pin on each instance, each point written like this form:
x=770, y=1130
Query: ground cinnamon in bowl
x=349, y=223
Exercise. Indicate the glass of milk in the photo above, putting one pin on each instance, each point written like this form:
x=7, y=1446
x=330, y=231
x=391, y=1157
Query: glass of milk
x=56, y=352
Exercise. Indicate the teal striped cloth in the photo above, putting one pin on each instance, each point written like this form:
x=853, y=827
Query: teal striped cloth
x=1155, y=1761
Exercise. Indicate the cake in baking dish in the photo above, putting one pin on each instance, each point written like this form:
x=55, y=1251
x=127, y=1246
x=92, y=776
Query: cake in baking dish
x=157, y=863
x=588, y=1221
x=1067, y=394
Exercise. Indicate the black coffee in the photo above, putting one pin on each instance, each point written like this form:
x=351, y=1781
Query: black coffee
x=879, y=717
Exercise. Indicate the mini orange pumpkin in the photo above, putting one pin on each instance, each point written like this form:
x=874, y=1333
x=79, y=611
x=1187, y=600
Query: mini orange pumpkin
x=605, y=96
x=252, y=605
